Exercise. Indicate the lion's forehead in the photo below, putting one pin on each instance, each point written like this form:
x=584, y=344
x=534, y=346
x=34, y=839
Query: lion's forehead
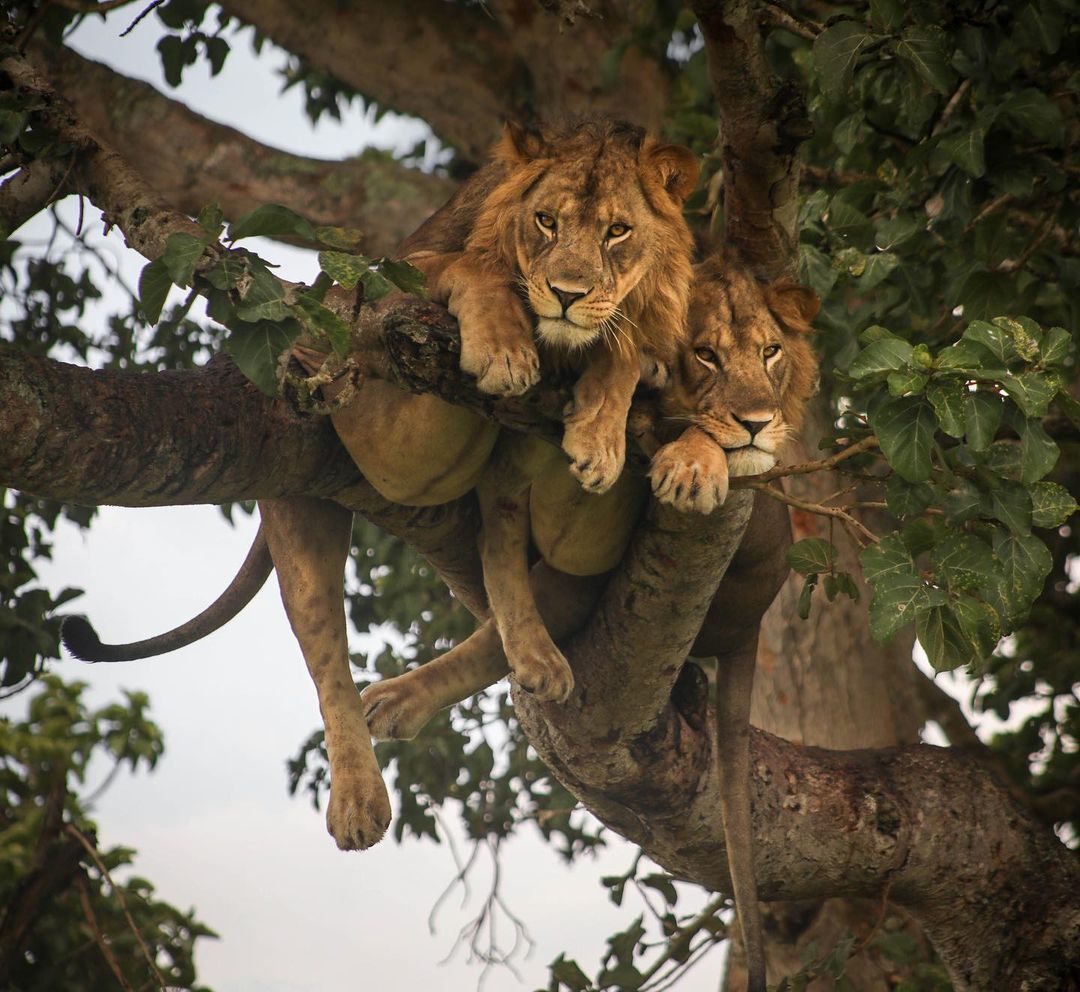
x=732, y=314
x=598, y=195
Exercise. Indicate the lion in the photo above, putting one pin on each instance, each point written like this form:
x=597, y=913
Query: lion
x=578, y=228
x=741, y=385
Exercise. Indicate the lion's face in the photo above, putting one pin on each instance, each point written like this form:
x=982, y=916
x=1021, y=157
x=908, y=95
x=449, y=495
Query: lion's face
x=592, y=221
x=748, y=371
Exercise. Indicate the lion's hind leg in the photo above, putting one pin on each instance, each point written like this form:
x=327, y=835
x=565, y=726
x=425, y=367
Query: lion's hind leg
x=309, y=541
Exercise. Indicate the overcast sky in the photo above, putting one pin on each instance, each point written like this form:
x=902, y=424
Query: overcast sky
x=214, y=826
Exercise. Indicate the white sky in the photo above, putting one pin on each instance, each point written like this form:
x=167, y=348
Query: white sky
x=214, y=826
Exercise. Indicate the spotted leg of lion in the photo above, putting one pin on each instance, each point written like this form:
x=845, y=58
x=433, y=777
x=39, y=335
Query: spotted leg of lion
x=309, y=542
x=397, y=708
x=594, y=434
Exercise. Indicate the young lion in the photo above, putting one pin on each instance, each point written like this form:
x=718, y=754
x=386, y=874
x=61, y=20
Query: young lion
x=587, y=222
x=742, y=384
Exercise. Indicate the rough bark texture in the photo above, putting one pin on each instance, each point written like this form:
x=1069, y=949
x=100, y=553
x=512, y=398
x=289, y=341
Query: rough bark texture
x=194, y=161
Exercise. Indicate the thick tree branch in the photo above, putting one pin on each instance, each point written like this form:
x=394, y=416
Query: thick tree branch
x=447, y=64
x=30, y=190
x=195, y=161
x=126, y=199
x=762, y=123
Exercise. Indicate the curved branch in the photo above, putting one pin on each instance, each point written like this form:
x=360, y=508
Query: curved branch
x=195, y=161
x=29, y=191
x=448, y=64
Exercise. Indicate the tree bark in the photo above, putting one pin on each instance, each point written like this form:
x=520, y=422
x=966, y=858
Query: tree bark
x=194, y=161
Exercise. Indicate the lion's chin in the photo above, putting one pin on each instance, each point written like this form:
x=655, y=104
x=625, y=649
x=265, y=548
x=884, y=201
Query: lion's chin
x=749, y=461
x=557, y=333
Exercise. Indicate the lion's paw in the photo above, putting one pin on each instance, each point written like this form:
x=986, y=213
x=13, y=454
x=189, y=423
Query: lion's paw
x=394, y=710
x=540, y=668
x=689, y=480
x=655, y=372
x=502, y=371
x=359, y=811
x=596, y=457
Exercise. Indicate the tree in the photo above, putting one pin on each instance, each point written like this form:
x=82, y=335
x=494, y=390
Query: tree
x=933, y=213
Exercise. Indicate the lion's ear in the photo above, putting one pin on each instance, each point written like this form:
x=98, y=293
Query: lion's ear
x=520, y=143
x=676, y=168
x=792, y=304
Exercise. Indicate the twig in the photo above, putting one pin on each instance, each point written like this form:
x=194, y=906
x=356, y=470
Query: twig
x=779, y=15
x=99, y=937
x=856, y=528
x=710, y=910
x=89, y=6
x=96, y=858
x=132, y=25
x=806, y=468
x=950, y=107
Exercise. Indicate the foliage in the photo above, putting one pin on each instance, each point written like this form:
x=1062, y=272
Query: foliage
x=51, y=872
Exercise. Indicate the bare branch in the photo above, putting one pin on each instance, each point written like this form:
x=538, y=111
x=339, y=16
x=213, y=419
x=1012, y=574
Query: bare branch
x=30, y=191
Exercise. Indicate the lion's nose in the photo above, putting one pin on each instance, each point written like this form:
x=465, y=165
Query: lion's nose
x=754, y=426
x=567, y=296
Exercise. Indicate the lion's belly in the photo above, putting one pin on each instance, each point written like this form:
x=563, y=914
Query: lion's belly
x=416, y=450
x=580, y=533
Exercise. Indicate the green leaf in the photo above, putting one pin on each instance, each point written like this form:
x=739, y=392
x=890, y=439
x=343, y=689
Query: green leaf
x=892, y=232
x=886, y=15
x=980, y=623
x=346, y=239
x=406, y=277
x=812, y=554
x=964, y=501
x=905, y=499
x=967, y=151
x=963, y=562
x=376, y=285
x=1038, y=451
x=174, y=57
x=947, y=396
x=943, y=639
x=217, y=50
x=256, y=350
x=154, y=285
x=964, y=356
x=271, y=220
x=181, y=255
x=878, y=267
x=1025, y=562
x=264, y=297
x=211, y=220
x=906, y=383
x=905, y=430
x=1033, y=114
x=886, y=558
x=849, y=224
x=882, y=356
x=982, y=417
x=924, y=49
x=986, y=294
x=900, y=594
x=1031, y=391
x=664, y=885
x=1043, y=23
x=1011, y=504
x=323, y=322
x=344, y=269
x=1057, y=345
x=1051, y=504
x=998, y=339
x=836, y=50
x=567, y=972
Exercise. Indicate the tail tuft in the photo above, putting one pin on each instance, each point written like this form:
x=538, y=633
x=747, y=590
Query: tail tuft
x=81, y=640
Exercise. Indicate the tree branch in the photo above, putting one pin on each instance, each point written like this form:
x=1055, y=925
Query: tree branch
x=195, y=161
x=449, y=65
x=30, y=190
x=762, y=123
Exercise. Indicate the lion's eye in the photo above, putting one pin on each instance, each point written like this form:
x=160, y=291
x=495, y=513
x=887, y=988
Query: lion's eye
x=707, y=357
x=771, y=350
x=618, y=230
x=545, y=222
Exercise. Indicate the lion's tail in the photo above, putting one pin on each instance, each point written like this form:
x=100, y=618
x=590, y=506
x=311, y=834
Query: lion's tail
x=82, y=641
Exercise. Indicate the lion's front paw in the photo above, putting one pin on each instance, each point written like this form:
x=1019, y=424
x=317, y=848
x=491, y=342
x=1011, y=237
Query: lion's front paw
x=540, y=668
x=596, y=456
x=359, y=810
x=394, y=710
x=690, y=477
x=502, y=370
x=655, y=372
